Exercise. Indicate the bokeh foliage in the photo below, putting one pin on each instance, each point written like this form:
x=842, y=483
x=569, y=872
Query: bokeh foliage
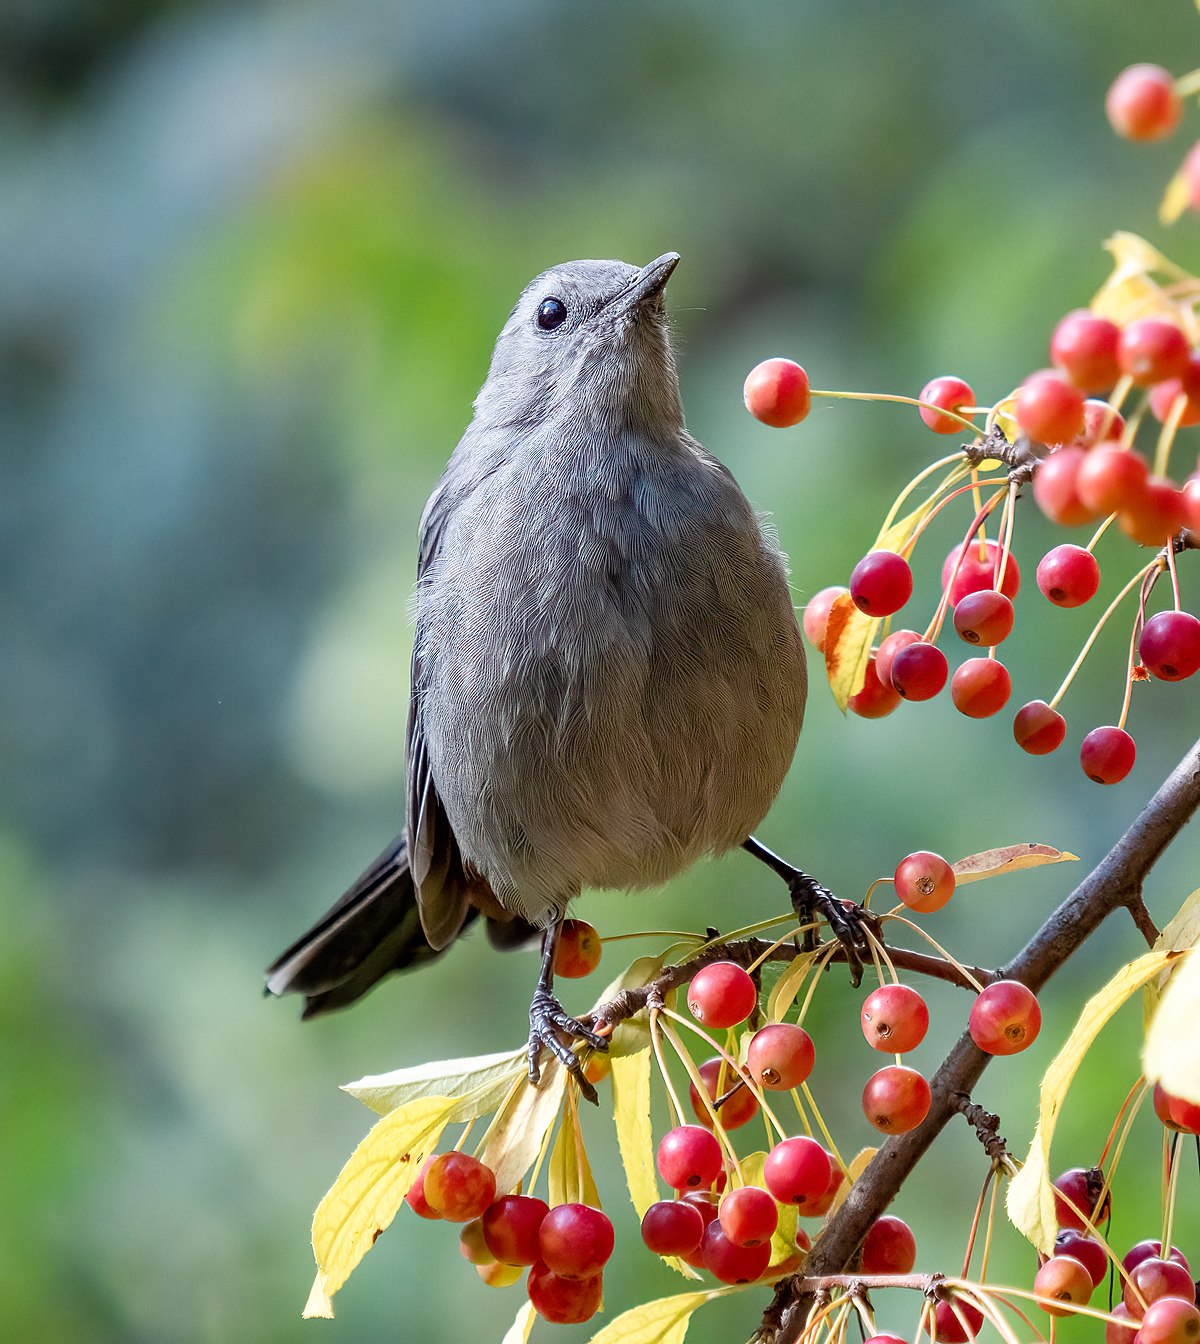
x=255, y=256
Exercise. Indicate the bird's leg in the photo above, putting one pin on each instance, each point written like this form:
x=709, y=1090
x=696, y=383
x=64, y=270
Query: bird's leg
x=547, y=1020
x=811, y=899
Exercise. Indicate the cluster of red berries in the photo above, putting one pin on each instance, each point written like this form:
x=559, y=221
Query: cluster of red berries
x=1084, y=469
x=1145, y=102
x=565, y=1248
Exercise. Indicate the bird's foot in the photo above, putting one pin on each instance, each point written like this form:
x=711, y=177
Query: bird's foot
x=548, y=1023
x=811, y=901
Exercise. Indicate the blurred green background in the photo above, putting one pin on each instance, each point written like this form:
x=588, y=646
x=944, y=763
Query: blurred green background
x=255, y=256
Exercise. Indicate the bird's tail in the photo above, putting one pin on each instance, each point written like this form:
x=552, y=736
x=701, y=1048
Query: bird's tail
x=373, y=929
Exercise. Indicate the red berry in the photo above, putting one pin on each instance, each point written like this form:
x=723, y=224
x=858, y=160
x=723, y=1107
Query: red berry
x=895, y=1018
x=730, y=1263
x=1100, y=423
x=954, y=1322
x=1152, y=349
x=1039, y=729
x=924, y=881
x=472, y=1246
x=890, y=648
x=797, y=1171
x=1062, y=1283
x=1164, y=395
x=1084, y=346
x=1111, y=478
x=1142, y=104
x=816, y=615
x=1146, y=1250
x=1089, y=1252
x=919, y=670
x=564, y=1301
x=985, y=617
x=874, y=700
x=1115, y=1333
x=1154, y=516
x=575, y=1240
x=979, y=569
x=980, y=687
x=459, y=1186
x=415, y=1199
x=881, y=583
x=1154, y=1279
x=889, y=1247
x=1170, y=1320
x=1068, y=575
x=777, y=393
x=1049, y=408
x=1005, y=1018
x=1170, y=645
x=689, y=1157
x=896, y=1099
x=1190, y=490
x=510, y=1228
x=579, y=949
x=718, y=1079
x=885, y=1339
x=819, y=1207
x=1107, y=755
x=951, y=394
x=705, y=1203
x=1175, y=1112
x=672, y=1227
x=1055, y=487
x=1081, y=1187
x=722, y=994
x=780, y=1056
x=748, y=1216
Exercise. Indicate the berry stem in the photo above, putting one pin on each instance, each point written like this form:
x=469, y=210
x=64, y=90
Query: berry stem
x=879, y=882
x=937, y=508
x=1166, y=436
x=1186, y=86
x=802, y=1113
x=985, y=1259
x=951, y=459
x=768, y=952
x=1169, y=549
x=1091, y=639
x=1133, y=1094
x=971, y=1235
x=1100, y=531
x=935, y=626
x=904, y=401
x=1007, y=519
x=1169, y=1195
x=816, y=1110
x=702, y=1092
x=678, y=934
x=672, y=1095
x=933, y=942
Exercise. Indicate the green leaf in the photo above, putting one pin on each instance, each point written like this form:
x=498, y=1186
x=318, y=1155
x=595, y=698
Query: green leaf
x=383, y=1092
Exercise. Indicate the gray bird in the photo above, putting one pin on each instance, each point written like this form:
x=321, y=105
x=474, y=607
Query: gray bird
x=608, y=680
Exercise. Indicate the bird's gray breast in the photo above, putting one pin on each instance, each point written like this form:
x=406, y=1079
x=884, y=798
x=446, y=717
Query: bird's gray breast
x=612, y=681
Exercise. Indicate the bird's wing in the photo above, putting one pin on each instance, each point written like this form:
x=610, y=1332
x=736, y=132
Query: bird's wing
x=432, y=849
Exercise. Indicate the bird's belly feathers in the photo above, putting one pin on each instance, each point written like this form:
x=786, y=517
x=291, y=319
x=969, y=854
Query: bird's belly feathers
x=602, y=715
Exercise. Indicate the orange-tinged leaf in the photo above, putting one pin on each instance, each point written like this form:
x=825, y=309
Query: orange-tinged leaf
x=371, y=1186
x=1030, y=1199
x=516, y=1136
x=848, y=638
x=518, y=1332
x=1175, y=199
x=662, y=1322
x=1171, y=1055
x=1009, y=859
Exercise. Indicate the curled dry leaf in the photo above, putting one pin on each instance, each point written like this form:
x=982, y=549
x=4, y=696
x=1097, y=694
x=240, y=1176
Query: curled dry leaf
x=1009, y=859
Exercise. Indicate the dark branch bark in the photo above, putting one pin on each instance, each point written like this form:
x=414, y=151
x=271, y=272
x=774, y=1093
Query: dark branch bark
x=1116, y=881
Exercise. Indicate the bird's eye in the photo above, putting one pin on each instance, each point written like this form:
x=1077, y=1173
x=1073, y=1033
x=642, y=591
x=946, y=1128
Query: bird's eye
x=551, y=313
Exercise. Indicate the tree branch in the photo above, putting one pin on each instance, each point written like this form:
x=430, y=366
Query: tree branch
x=1113, y=883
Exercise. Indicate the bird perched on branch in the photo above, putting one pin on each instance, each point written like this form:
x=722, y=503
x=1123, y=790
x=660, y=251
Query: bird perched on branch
x=608, y=680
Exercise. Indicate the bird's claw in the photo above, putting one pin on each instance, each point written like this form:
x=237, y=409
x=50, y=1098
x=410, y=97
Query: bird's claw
x=548, y=1023
x=810, y=899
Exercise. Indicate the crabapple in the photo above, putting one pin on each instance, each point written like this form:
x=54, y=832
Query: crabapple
x=738, y=1110
x=1153, y=1279
x=1169, y=646
x=1055, y=487
x=950, y=394
x=1049, y=408
x=980, y=569
x=816, y=615
x=1175, y=1112
x=1154, y=515
x=896, y=1099
x=722, y=994
x=777, y=393
x=579, y=949
x=1111, y=477
x=1089, y=1252
x=780, y=1056
x=1164, y=395
x=919, y=670
x=459, y=1186
x=1062, y=1283
x=672, y=1227
x=1084, y=346
x=1142, y=103
x=1039, y=729
x=1068, y=575
x=874, y=700
x=1081, y=1187
x=797, y=1171
x=924, y=881
x=889, y=1247
x=1107, y=754
x=881, y=583
x=954, y=1321
x=894, y=1018
x=984, y=617
x=980, y=687
x=689, y=1157
x=1170, y=1320
x=1152, y=349
x=748, y=1216
x=1005, y=1018
x=510, y=1228
x=730, y=1263
x=889, y=650
x=564, y=1301
x=575, y=1240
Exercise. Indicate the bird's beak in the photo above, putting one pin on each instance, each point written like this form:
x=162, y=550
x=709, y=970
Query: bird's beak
x=649, y=282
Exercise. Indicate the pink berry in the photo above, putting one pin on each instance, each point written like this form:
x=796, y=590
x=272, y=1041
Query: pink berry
x=689, y=1157
x=816, y=615
x=1079, y=1189
x=780, y=1056
x=1055, y=487
x=1049, y=408
x=730, y=1263
x=1154, y=516
x=575, y=1240
x=1039, y=729
x=891, y=647
x=985, y=617
x=1089, y=1252
x=564, y=1301
x=951, y=394
x=1107, y=754
x=510, y=1228
x=924, y=881
x=894, y=1019
x=672, y=1227
x=947, y=1325
x=1154, y=1279
x=1100, y=423
x=1084, y=346
x=919, y=670
x=1111, y=478
x=1142, y=104
x=979, y=569
x=1152, y=349
x=718, y=1078
x=896, y=1099
x=1147, y=1250
x=1170, y=645
x=797, y=1171
x=579, y=949
x=748, y=1216
x=1061, y=1284
x=1170, y=1320
x=881, y=583
x=1005, y=1018
x=777, y=393
x=415, y=1199
x=722, y=994
x=1175, y=1112
x=1068, y=575
x=1164, y=395
x=980, y=687
x=875, y=700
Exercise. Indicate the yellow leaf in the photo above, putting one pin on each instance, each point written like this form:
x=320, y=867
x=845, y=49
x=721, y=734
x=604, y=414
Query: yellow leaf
x=897, y=535
x=370, y=1187
x=1175, y=199
x=569, y=1173
x=518, y=1332
x=1179, y=934
x=319, y=1305
x=1010, y=859
x=662, y=1322
x=848, y=638
x=518, y=1131
x=862, y=1160
x=383, y=1092
x=1171, y=1055
x=1030, y=1200
x=785, y=989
